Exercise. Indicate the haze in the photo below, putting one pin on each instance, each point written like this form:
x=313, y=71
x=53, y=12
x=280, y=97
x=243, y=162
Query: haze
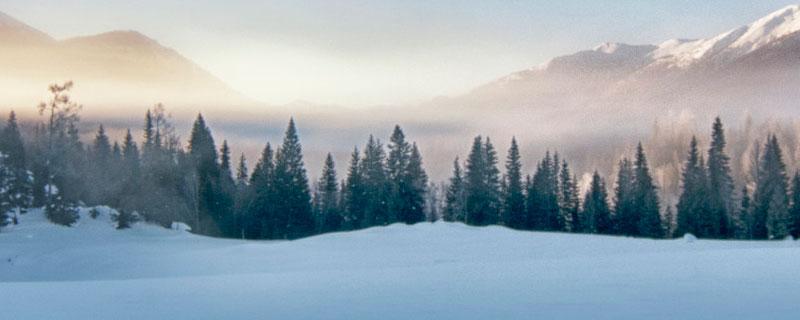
x=365, y=53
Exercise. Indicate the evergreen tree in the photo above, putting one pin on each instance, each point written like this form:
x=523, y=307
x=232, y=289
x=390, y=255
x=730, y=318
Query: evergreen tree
x=625, y=215
x=293, y=216
x=18, y=188
x=331, y=218
x=481, y=185
x=454, y=209
x=543, y=203
x=568, y=200
x=407, y=180
x=354, y=194
x=241, y=197
x=596, y=216
x=203, y=154
x=227, y=193
x=694, y=215
x=646, y=198
x=415, y=188
x=771, y=212
x=396, y=167
x=259, y=220
x=513, y=196
x=493, y=200
x=745, y=218
x=376, y=193
x=720, y=183
x=795, y=206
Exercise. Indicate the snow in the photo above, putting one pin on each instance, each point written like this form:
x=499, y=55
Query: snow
x=732, y=44
x=424, y=271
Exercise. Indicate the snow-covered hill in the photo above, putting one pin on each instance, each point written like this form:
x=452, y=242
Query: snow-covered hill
x=753, y=69
x=425, y=271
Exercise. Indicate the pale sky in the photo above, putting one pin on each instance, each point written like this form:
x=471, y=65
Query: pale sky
x=361, y=53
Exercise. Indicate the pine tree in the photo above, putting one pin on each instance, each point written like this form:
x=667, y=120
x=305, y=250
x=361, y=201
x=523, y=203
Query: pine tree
x=720, y=182
x=396, y=166
x=294, y=218
x=492, y=182
x=259, y=220
x=242, y=198
x=568, y=200
x=454, y=209
x=745, y=228
x=514, y=197
x=478, y=192
x=416, y=187
x=794, y=212
x=596, y=216
x=376, y=193
x=203, y=154
x=693, y=207
x=226, y=193
x=771, y=212
x=625, y=215
x=646, y=198
x=543, y=203
x=329, y=197
x=354, y=194
x=18, y=189
x=406, y=179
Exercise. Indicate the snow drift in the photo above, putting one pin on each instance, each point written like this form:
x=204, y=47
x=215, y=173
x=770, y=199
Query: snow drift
x=424, y=271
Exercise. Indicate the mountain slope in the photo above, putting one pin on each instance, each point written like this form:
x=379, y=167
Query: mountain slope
x=751, y=68
x=112, y=71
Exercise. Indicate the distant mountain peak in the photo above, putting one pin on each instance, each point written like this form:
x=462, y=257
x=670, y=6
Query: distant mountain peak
x=14, y=30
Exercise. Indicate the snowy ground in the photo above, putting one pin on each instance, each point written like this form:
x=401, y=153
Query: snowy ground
x=441, y=270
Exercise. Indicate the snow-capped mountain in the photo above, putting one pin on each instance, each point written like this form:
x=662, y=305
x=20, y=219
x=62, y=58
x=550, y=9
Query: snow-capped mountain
x=753, y=67
x=112, y=71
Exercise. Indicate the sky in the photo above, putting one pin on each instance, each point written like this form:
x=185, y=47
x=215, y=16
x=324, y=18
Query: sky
x=366, y=53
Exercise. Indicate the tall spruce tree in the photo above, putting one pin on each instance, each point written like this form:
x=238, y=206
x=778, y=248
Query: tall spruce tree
x=18, y=190
x=625, y=215
x=415, y=187
x=745, y=228
x=720, y=183
x=454, y=202
x=354, y=194
x=492, y=182
x=569, y=204
x=646, y=198
x=771, y=212
x=376, y=193
x=258, y=221
x=294, y=218
x=694, y=215
x=596, y=215
x=226, y=193
x=513, y=195
x=543, y=204
x=481, y=185
x=204, y=156
x=396, y=173
x=407, y=180
x=331, y=217
x=241, y=198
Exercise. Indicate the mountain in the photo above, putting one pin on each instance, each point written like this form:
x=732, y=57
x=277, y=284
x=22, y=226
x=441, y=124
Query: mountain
x=113, y=71
x=749, y=69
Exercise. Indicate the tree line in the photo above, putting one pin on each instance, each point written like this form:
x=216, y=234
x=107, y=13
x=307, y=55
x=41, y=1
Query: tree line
x=159, y=181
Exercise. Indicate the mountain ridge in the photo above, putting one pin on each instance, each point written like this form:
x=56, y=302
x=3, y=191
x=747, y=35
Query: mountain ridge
x=112, y=71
